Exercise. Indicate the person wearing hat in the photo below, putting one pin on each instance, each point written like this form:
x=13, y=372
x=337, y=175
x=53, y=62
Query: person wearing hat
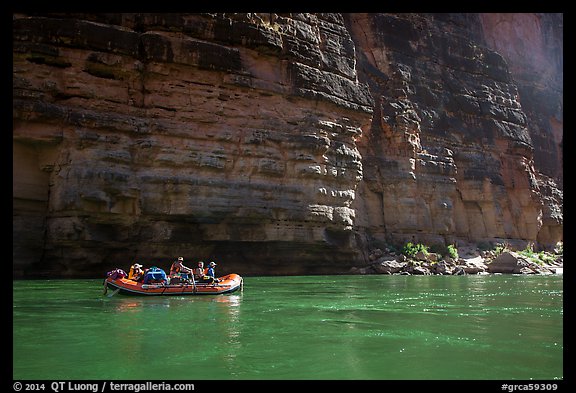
x=210, y=274
x=136, y=272
x=178, y=268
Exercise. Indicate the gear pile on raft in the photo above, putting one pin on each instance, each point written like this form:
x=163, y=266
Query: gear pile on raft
x=181, y=280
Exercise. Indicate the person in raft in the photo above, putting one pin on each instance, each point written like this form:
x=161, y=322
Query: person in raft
x=199, y=271
x=210, y=274
x=136, y=272
x=178, y=268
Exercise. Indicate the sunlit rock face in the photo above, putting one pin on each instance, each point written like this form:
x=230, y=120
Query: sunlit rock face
x=228, y=137
x=450, y=155
x=532, y=45
x=272, y=143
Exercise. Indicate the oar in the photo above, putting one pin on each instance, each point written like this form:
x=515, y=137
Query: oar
x=193, y=281
x=105, y=292
x=114, y=293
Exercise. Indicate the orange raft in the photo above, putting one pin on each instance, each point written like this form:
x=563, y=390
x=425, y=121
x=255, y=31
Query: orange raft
x=125, y=286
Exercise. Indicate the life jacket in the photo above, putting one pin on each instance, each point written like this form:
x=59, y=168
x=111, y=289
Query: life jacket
x=132, y=273
x=200, y=272
x=175, y=268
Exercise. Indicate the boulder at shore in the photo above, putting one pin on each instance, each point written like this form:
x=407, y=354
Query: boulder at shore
x=513, y=263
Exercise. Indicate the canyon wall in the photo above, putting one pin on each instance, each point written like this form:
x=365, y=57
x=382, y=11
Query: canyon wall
x=275, y=143
x=451, y=153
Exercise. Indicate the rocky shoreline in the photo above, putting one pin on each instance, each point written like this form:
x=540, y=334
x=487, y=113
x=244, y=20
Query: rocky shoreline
x=473, y=262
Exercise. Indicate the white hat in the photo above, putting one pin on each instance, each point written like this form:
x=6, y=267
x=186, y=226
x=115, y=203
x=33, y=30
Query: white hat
x=180, y=258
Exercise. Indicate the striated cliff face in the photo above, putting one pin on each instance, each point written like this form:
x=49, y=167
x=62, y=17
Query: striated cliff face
x=277, y=143
x=450, y=152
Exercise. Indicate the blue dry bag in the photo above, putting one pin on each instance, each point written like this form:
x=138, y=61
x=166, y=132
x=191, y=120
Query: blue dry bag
x=155, y=274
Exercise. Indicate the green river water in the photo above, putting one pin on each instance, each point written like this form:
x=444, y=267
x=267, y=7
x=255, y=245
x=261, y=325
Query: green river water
x=377, y=327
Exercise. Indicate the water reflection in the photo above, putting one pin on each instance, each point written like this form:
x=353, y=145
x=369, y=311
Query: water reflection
x=186, y=330
x=230, y=308
x=137, y=303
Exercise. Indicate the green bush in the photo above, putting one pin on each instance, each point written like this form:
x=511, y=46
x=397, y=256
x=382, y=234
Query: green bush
x=443, y=250
x=540, y=258
x=410, y=249
x=502, y=247
x=452, y=251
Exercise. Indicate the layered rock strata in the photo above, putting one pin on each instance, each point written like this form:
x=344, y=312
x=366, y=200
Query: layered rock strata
x=208, y=136
x=273, y=143
x=449, y=155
